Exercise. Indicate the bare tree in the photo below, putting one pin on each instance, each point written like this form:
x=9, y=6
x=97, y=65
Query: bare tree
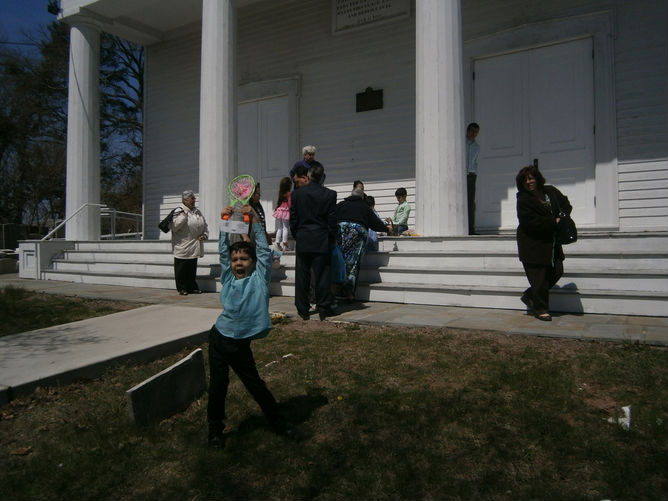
x=33, y=127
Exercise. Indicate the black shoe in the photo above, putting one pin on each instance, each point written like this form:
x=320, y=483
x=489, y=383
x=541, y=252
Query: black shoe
x=527, y=300
x=545, y=317
x=217, y=441
x=304, y=317
x=323, y=314
x=196, y=291
x=183, y=293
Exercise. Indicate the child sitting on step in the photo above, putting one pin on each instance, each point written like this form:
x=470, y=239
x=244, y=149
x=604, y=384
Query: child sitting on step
x=400, y=219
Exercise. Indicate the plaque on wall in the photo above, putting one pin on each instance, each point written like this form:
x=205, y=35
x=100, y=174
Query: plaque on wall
x=351, y=14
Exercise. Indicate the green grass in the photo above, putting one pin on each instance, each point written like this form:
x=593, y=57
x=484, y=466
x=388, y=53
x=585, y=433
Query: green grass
x=384, y=414
x=22, y=310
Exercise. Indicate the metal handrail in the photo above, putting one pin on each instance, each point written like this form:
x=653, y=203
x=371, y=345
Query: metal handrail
x=62, y=223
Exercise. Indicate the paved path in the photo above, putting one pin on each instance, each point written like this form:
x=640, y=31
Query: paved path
x=170, y=322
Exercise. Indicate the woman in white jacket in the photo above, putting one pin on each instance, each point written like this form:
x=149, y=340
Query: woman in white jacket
x=189, y=230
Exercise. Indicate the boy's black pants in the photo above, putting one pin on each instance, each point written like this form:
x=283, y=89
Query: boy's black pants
x=227, y=352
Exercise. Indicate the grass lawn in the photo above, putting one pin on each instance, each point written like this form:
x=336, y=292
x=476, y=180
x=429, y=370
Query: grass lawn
x=384, y=413
x=22, y=310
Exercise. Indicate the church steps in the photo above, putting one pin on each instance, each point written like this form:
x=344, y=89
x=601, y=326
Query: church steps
x=603, y=273
x=119, y=277
x=561, y=299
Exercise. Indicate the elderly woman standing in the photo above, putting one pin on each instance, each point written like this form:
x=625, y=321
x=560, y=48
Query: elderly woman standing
x=538, y=207
x=355, y=218
x=189, y=230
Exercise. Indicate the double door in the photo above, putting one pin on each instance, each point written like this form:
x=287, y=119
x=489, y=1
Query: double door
x=535, y=107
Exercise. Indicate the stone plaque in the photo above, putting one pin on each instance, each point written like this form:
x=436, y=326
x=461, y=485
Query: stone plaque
x=350, y=14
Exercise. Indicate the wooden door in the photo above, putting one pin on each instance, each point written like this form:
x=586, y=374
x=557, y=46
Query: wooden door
x=538, y=105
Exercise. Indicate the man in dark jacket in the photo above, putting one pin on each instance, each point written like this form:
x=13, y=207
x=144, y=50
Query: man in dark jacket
x=313, y=224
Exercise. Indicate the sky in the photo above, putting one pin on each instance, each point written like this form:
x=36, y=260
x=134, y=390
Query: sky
x=18, y=16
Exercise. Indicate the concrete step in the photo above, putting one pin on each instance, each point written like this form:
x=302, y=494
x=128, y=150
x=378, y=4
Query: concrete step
x=515, y=277
x=166, y=281
x=603, y=273
x=587, y=242
x=495, y=259
x=564, y=299
x=128, y=268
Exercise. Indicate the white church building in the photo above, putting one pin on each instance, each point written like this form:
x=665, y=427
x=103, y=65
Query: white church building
x=384, y=90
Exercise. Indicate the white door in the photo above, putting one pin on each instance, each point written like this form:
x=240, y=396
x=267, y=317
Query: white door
x=263, y=147
x=535, y=105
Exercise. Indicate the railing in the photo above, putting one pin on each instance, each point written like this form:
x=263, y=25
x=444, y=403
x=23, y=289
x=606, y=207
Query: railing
x=117, y=215
x=114, y=216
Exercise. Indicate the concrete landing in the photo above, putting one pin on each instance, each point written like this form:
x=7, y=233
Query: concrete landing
x=84, y=349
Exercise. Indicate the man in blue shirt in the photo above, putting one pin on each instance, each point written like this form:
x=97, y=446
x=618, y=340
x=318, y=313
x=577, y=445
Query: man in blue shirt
x=472, y=153
x=307, y=162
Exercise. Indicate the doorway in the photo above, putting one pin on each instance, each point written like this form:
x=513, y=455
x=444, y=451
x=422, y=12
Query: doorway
x=263, y=147
x=535, y=105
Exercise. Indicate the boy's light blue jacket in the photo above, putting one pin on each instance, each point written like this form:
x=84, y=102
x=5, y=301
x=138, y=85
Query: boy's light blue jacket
x=245, y=301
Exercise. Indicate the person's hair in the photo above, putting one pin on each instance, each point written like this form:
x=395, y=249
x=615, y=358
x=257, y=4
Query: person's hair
x=401, y=192
x=308, y=149
x=284, y=187
x=243, y=246
x=317, y=174
x=524, y=173
x=357, y=192
x=472, y=125
x=370, y=200
x=301, y=171
x=357, y=183
x=187, y=194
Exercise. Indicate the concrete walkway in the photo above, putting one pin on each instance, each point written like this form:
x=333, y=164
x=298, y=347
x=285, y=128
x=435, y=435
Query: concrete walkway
x=169, y=322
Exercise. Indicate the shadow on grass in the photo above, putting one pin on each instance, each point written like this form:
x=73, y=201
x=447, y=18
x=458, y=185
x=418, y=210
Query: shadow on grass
x=296, y=410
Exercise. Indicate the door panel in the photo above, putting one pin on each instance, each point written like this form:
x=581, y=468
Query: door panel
x=562, y=118
x=263, y=147
x=501, y=88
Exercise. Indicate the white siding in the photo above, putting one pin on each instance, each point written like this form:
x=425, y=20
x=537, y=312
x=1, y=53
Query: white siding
x=293, y=38
x=171, y=128
x=290, y=38
x=641, y=68
x=643, y=196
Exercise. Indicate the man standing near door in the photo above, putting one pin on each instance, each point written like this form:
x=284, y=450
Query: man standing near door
x=472, y=152
x=313, y=225
x=308, y=161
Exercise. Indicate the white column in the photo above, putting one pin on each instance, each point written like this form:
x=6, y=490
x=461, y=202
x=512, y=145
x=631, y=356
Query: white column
x=83, y=133
x=440, y=179
x=218, y=107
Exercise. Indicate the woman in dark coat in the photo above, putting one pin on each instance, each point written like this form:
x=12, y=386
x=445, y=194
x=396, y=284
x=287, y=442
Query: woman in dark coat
x=538, y=206
x=354, y=218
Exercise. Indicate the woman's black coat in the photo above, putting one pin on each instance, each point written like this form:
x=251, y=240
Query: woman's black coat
x=536, y=231
x=355, y=210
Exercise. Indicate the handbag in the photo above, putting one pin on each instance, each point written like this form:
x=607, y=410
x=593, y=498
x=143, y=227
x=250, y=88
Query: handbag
x=567, y=232
x=338, y=266
x=164, y=224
